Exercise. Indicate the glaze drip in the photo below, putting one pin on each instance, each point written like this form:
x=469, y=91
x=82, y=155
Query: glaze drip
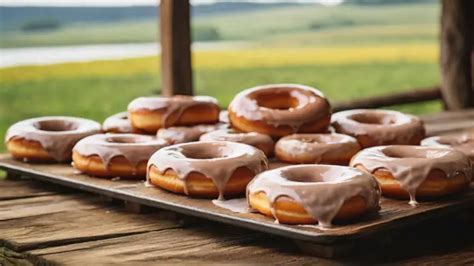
x=320, y=189
x=176, y=104
x=135, y=148
x=383, y=126
x=238, y=205
x=306, y=104
x=411, y=165
x=56, y=134
x=217, y=160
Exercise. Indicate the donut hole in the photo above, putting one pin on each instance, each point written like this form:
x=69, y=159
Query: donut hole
x=200, y=153
x=306, y=178
x=125, y=139
x=280, y=101
x=374, y=118
x=56, y=125
x=311, y=173
x=199, y=156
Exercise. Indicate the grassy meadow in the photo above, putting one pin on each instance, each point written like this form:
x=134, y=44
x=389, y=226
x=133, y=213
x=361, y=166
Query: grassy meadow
x=303, y=25
x=347, y=52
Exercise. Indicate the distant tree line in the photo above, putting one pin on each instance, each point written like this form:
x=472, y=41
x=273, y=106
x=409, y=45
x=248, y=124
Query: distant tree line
x=205, y=33
x=41, y=24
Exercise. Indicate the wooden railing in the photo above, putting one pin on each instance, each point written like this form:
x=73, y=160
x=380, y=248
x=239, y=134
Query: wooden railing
x=409, y=96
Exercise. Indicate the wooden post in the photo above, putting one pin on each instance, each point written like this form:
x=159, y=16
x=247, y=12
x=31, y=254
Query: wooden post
x=457, y=30
x=175, y=36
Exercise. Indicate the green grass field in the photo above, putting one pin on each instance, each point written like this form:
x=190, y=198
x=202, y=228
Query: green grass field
x=349, y=53
x=96, y=97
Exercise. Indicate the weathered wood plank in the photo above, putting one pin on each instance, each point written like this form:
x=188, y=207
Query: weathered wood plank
x=74, y=226
x=394, y=213
x=10, y=257
x=449, y=126
x=439, y=118
x=412, y=96
x=446, y=122
x=203, y=245
x=225, y=244
x=464, y=256
x=16, y=189
x=27, y=207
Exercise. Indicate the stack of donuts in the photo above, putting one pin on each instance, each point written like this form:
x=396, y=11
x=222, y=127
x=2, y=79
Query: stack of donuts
x=278, y=145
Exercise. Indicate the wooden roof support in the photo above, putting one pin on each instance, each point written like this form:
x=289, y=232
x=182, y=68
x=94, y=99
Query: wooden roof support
x=457, y=30
x=175, y=32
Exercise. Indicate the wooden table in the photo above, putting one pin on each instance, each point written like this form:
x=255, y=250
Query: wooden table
x=43, y=223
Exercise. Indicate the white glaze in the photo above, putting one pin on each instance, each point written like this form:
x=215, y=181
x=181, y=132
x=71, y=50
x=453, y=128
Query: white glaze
x=320, y=189
x=316, y=146
x=170, y=105
x=57, y=143
x=135, y=148
x=387, y=127
x=216, y=160
x=411, y=165
x=251, y=138
x=312, y=105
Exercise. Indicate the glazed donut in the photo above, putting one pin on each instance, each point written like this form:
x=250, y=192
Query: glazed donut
x=260, y=141
x=317, y=148
x=462, y=141
x=48, y=138
x=152, y=113
x=408, y=171
x=310, y=193
x=379, y=127
x=119, y=123
x=206, y=169
x=115, y=155
x=175, y=135
x=280, y=109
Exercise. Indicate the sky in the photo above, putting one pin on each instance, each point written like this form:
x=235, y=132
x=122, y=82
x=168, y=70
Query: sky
x=135, y=2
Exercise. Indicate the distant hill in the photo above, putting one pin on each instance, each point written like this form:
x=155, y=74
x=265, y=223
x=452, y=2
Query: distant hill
x=13, y=18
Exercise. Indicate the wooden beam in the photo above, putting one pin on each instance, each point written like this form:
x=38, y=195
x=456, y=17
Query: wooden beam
x=411, y=96
x=457, y=30
x=175, y=36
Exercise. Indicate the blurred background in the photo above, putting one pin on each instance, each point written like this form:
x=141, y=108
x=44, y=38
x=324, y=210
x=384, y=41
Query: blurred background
x=90, y=58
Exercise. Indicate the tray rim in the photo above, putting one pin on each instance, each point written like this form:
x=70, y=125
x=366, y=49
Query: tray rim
x=274, y=229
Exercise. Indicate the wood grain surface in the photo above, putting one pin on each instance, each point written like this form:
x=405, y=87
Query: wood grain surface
x=104, y=233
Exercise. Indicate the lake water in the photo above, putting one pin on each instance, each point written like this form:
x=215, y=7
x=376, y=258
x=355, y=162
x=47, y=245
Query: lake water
x=83, y=53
